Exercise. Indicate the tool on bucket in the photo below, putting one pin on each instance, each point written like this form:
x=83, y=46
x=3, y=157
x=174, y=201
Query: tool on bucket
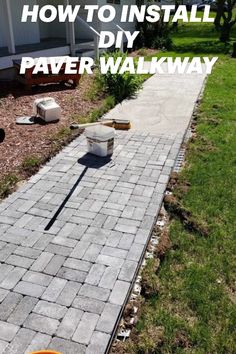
x=118, y=124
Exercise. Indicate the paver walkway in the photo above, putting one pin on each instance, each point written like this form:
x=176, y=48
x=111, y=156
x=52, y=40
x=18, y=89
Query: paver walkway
x=64, y=288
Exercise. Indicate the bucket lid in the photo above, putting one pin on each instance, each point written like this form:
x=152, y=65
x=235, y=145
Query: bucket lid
x=100, y=132
x=26, y=120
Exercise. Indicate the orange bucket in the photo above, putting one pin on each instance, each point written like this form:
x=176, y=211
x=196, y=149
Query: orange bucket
x=45, y=352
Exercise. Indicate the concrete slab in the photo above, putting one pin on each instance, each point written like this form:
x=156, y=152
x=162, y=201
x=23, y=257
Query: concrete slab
x=163, y=106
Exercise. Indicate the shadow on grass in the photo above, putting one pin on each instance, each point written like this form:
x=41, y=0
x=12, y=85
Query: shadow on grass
x=205, y=47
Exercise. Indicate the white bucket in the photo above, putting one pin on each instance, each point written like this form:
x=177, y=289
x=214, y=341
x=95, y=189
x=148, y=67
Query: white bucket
x=100, y=140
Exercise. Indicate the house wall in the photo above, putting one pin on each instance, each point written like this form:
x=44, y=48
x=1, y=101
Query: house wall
x=3, y=38
x=80, y=31
x=54, y=29
x=57, y=29
x=25, y=33
x=112, y=25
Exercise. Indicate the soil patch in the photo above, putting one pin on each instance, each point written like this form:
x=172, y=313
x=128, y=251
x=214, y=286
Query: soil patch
x=36, y=140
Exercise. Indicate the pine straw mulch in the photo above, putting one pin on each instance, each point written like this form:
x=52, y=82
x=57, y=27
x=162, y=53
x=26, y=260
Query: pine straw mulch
x=22, y=142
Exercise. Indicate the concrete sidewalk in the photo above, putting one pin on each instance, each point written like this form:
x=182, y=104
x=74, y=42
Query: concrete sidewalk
x=164, y=106
x=65, y=288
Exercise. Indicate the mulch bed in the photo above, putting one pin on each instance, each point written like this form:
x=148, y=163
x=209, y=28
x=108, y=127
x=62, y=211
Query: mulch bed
x=36, y=140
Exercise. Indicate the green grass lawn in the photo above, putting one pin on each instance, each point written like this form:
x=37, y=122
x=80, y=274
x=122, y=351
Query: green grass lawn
x=195, y=309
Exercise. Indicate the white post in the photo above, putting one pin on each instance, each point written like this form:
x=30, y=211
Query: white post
x=66, y=2
x=96, y=49
x=10, y=31
x=96, y=38
x=72, y=38
x=70, y=32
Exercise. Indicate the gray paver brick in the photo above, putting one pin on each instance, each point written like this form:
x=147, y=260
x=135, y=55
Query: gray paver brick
x=41, y=324
x=116, y=252
x=32, y=239
x=94, y=292
x=50, y=309
x=126, y=241
x=126, y=228
x=21, y=312
x=13, y=277
x=85, y=328
x=113, y=238
x=9, y=304
x=68, y=293
x=89, y=304
x=99, y=220
x=135, y=252
x=57, y=249
x=37, y=278
x=110, y=261
x=110, y=222
x=119, y=292
x=20, y=342
x=54, y=265
x=3, y=294
x=3, y=346
x=98, y=344
x=19, y=261
x=95, y=274
x=142, y=236
x=54, y=289
x=80, y=249
x=108, y=318
x=62, y=241
x=72, y=231
x=78, y=264
x=66, y=346
x=42, y=243
x=72, y=274
x=92, y=252
x=109, y=278
x=27, y=252
x=148, y=222
x=110, y=212
x=99, y=238
x=39, y=342
x=4, y=271
x=69, y=323
x=30, y=289
x=41, y=262
x=128, y=270
x=7, y=331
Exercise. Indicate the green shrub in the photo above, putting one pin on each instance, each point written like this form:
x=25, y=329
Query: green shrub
x=31, y=165
x=7, y=184
x=154, y=35
x=120, y=86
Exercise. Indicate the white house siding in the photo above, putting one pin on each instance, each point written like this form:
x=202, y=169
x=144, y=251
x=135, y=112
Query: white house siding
x=80, y=31
x=3, y=38
x=24, y=33
x=111, y=26
x=54, y=29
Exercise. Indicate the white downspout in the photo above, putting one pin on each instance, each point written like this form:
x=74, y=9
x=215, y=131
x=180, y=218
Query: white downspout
x=10, y=31
x=70, y=33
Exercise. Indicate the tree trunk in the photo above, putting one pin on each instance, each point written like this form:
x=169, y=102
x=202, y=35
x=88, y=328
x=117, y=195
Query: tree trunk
x=225, y=32
x=219, y=12
x=234, y=50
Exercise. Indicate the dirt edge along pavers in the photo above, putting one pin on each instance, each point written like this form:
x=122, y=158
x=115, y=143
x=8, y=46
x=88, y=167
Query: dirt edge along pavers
x=65, y=288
